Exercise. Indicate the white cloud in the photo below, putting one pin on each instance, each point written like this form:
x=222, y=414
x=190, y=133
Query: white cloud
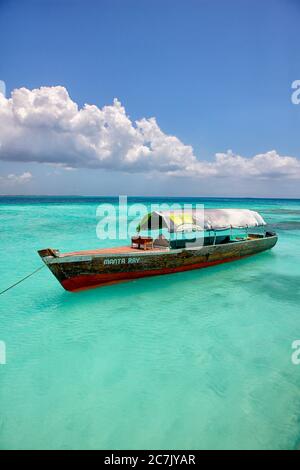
x=2, y=87
x=265, y=166
x=12, y=179
x=45, y=125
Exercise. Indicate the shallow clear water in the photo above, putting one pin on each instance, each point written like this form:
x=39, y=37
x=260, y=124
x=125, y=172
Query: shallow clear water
x=192, y=360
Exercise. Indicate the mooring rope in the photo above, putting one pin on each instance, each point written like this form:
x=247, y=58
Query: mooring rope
x=22, y=280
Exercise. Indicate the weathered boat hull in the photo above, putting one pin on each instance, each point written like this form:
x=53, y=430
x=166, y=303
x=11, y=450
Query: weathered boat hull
x=84, y=270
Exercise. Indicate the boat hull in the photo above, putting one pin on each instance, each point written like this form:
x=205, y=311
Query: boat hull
x=86, y=270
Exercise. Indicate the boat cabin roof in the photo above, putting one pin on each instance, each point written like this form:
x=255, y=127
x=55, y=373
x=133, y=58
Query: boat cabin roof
x=201, y=220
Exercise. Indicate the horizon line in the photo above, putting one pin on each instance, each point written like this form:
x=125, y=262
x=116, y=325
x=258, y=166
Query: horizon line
x=145, y=197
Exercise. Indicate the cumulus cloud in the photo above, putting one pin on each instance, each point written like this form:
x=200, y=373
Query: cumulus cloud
x=12, y=179
x=264, y=166
x=46, y=126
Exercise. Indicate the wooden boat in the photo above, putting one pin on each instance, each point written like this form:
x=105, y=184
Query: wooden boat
x=149, y=257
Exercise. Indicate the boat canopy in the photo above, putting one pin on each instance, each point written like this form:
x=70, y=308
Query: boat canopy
x=193, y=220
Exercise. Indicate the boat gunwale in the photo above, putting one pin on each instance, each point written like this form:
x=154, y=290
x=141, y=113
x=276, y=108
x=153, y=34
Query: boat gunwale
x=86, y=256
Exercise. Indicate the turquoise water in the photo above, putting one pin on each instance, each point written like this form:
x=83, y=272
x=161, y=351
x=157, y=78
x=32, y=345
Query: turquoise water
x=192, y=360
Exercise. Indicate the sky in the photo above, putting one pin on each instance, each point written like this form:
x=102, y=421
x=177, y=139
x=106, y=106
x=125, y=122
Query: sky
x=140, y=97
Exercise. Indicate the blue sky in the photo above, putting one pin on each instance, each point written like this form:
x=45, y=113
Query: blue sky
x=216, y=74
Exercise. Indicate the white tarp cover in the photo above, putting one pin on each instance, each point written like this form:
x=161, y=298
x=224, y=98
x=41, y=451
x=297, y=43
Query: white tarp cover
x=220, y=219
x=210, y=219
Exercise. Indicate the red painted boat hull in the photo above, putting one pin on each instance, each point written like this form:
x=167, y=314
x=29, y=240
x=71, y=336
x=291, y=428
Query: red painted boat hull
x=80, y=283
